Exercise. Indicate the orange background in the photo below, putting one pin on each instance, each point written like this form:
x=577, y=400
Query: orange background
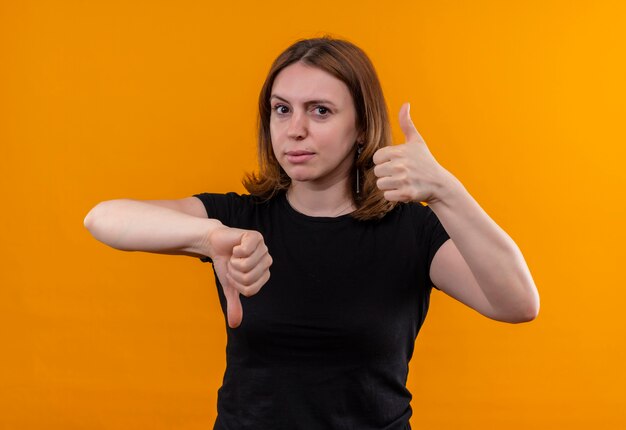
x=522, y=101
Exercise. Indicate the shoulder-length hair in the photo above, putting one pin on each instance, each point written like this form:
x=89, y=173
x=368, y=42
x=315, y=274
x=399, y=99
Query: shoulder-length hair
x=351, y=65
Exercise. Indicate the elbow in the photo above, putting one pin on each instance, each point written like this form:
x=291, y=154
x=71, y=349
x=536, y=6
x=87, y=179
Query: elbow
x=101, y=222
x=520, y=316
x=527, y=311
x=528, y=302
x=523, y=308
x=94, y=217
x=534, y=310
x=90, y=220
x=528, y=315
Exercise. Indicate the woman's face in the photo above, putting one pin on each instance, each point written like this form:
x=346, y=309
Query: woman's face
x=312, y=125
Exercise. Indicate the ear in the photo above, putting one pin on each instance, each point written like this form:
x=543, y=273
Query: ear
x=361, y=136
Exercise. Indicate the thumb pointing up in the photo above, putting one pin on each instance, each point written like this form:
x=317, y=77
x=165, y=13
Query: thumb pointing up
x=406, y=124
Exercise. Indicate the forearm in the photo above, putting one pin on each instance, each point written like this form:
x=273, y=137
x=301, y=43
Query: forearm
x=493, y=257
x=132, y=225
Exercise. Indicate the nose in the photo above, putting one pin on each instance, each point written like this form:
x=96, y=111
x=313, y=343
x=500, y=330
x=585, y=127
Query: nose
x=297, y=126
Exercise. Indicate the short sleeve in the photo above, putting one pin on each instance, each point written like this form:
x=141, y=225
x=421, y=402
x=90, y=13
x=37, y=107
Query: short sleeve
x=435, y=235
x=222, y=207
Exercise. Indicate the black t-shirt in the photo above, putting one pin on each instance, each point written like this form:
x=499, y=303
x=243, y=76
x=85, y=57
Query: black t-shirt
x=326, y=342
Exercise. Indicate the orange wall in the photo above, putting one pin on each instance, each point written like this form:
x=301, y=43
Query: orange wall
x=522, y=101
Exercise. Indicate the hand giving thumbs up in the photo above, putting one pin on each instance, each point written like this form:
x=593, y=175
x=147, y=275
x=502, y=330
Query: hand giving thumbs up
x=409, y=172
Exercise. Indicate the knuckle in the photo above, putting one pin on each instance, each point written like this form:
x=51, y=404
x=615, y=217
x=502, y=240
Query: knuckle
x=251, y=290
x=246, y=292
x=247, y=279
x=256, y=237
x=265, y=277
x=235, y=279
x=249, y=248
x=234, y=263
x=245, y=266
x=243, y=280
x=377, y=156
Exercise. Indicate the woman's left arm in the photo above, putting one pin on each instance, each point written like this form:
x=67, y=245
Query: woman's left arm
x=481, y=265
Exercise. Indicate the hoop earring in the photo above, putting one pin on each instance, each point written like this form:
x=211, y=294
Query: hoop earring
x=359, y=149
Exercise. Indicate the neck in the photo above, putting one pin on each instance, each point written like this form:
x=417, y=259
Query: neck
x=332, y=201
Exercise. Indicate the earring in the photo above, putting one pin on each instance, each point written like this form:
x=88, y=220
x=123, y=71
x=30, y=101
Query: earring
x=359, y=149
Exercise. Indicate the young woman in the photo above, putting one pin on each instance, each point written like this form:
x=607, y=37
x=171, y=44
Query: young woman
x=334, y=211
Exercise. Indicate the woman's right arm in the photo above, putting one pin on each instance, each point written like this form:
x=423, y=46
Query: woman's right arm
x=240, y=257
x=159, y=226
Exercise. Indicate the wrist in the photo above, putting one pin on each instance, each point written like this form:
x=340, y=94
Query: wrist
x=204, y=244
x=446, y=190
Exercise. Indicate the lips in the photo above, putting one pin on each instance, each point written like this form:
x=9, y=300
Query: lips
x=298, y=157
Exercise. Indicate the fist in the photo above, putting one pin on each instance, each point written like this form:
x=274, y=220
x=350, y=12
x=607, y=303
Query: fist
x=241, y=261
x=408, y=172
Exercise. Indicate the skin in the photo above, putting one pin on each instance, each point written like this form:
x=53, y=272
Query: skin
x=314, y=142
x=481, y=266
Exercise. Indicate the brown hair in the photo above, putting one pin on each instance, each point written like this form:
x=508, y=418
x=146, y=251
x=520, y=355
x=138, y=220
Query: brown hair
x=350, y=64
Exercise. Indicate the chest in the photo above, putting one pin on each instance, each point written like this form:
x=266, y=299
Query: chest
x=334, y=294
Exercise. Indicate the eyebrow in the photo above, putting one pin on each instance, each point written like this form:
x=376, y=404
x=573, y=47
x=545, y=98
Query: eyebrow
x=310, y=102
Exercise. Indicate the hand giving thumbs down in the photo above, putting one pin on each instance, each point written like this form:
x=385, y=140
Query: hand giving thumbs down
x=241, y=261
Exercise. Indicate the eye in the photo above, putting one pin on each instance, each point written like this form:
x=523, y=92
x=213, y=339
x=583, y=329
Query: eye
x=322, y=110
x=281, y=109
